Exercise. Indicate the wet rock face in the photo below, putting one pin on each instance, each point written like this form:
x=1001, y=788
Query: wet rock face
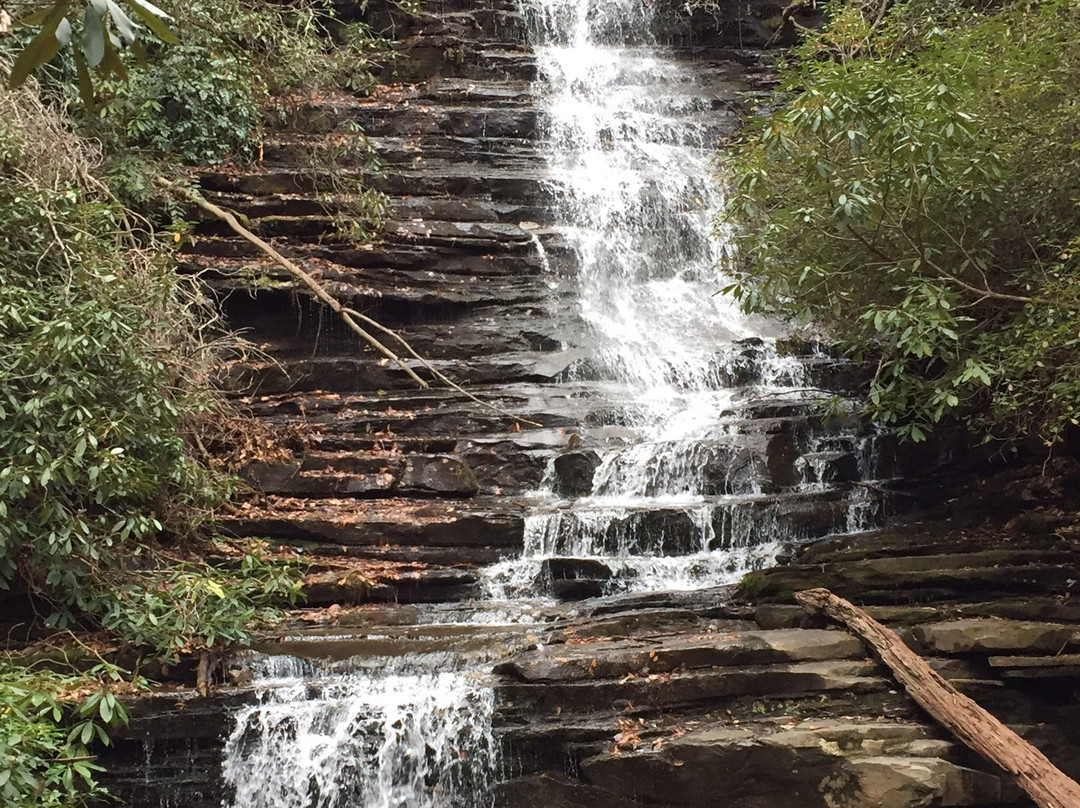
x=471, y=270
x=670, y=699
x=574, y=473
x=701, y=698
x=575, y=578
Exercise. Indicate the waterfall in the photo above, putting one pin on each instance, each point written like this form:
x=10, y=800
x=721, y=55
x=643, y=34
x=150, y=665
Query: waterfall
x=684, y=494
x=629, y=136
x=411, y=733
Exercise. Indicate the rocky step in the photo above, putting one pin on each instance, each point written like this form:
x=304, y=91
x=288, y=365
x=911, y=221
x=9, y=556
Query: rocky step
x=458, y=210
x=318, y=404
x=410, y=150
x=460, y=55
x=682, y=689
x=911, y=579
x=1036, y=609
x=495, y=23
x=360, y=467
x=655, y=528
x=287, y=329
x=427, y=292
x=845, y=762
x=524, y=185
x=464, y=237
x=518, y=122
x=400, y=106
x=403, y=208
x=352, y=638
x=527, y=186
x=441, y=532
x=372, y=475
x=722, y=647
x=999, y=637
x=1036, y=531
x=349, y=375
x=378, y=271
x=393, y=582
x=322, y=411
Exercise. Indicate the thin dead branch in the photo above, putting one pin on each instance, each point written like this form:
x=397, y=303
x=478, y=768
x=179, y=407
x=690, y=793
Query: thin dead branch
x=351, y=317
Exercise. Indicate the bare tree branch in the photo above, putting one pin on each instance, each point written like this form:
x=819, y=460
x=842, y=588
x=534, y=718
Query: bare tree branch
x=348, y=315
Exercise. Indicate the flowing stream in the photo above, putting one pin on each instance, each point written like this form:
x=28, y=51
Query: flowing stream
x=676, y=499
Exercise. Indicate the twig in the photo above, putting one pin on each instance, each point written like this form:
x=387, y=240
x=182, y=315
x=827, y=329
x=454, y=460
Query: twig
x=293, y=269
x=348, y=315
x=434, y=371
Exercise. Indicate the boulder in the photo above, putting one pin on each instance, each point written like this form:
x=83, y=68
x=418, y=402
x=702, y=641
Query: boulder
x=575, y=578
x=574, y=472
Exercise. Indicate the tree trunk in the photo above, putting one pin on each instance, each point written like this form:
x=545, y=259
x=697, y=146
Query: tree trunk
x=1047, y=785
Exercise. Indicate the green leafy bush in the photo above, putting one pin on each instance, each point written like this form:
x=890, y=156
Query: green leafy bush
x=914, y=193
x=91, y=408
x=107, y=361
x=190, y=102
x=185, y=607
x=298, y=45
x=49, y=721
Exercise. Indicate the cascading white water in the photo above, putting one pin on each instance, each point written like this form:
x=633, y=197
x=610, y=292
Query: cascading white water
x=629, y=139
x=410, y=734
x=628, y=148
x=676, y=505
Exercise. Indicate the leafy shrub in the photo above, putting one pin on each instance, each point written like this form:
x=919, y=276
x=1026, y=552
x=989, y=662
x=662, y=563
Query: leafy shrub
x=50, y=719
x=189, y=101
x=91, y=409
x=286, y=47
x=185, y=607
x=107, y=361
x=913, y=193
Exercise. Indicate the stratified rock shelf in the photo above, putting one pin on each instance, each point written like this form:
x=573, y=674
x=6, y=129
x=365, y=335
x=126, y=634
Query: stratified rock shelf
x=725, y=695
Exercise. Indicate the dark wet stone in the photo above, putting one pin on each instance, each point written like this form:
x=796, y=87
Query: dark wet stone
x=440, y=475
x=829, y=468
x=556, y=790
x=575, y=578
x=781, y=454
x=574, y=473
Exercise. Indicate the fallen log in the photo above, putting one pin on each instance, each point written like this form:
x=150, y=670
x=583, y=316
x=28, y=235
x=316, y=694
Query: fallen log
x=1047, y=785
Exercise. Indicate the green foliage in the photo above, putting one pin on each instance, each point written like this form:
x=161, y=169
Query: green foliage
x=196, y=95
x=913, y=194
x=184, y=607
x=91, y=458
x=107, y=361
x=339, y=161
x=49, y=722
x=1036, y=359
x=189, y=102
x=100, y=28
x=301, y=45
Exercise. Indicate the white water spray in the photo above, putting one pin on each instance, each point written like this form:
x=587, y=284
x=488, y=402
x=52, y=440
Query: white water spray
x=405, y=736
x=629, y=138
